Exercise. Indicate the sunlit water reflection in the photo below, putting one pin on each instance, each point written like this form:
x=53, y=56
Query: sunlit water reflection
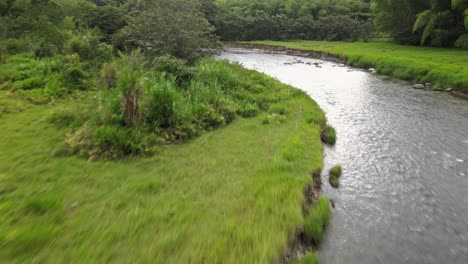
x=404, y=190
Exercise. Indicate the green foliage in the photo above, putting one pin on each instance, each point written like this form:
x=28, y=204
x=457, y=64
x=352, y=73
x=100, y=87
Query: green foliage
x=51, y=77
x=462, y=42
x=309, y=258
x=173, y=66
x=170, y=27
x=328, y=135
x=108, y=75
x=292, y=19
x=316, y=220
x=439, y=21
x=335, y=174
x=167, y=100
x=293, y=149
x=187, y=184
x=108, y=142
x=108, y=19
x=466, y=18
x=278, y=109
x=248, y=109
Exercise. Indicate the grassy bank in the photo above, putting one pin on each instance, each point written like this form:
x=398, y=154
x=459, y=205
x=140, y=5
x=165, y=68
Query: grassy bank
x=232, y=195
x=445, y=68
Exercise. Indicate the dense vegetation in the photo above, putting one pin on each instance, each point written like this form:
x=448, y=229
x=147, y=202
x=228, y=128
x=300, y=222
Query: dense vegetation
x=204, y=200
x=292, y=19
x=96, y=99
x=442, y=23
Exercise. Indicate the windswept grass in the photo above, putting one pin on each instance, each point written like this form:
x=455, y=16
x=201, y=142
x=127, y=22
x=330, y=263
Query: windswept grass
x=233, y=195
x=445, y=68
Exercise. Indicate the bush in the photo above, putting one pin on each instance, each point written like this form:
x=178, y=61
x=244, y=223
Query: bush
x=173, y=66
x=30, y=83
x=108, y=75
x=293, y=149
x=165, y=105
x=316, y=220
x=71, y=116
x=328, y=135
x=462, y=42
x=108, y=142
x=278, y=108
x=15, y=46
x=248, y=110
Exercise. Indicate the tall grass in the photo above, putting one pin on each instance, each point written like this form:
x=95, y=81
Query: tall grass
x=171, y=101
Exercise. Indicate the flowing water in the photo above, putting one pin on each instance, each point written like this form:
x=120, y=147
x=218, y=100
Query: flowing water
x=404, y=190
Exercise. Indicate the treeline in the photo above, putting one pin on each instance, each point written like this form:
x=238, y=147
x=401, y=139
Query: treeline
x=332, y=20
x=95, y=29
x=441, y=23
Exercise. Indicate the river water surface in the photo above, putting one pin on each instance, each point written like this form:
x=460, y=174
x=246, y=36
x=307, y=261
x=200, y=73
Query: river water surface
x=404, y=190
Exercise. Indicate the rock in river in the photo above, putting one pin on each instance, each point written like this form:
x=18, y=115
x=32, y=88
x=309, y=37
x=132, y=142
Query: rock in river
x=419, y=86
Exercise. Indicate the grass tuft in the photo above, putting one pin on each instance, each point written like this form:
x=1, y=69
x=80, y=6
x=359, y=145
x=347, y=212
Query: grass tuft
x=309, y=258
x=335, y=174
x=328, y=135
x=316, y=220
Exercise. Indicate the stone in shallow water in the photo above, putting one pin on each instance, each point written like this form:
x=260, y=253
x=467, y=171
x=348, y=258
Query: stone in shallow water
x=419, y=86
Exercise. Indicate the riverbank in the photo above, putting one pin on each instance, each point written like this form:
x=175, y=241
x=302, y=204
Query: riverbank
x=444, y=68
x=232, y=195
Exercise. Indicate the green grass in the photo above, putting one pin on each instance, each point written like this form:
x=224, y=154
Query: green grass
x=309, y=258
x=317, y=219
x=233, y=195
x=329, y=135
x=335, y=174
x=445, y=68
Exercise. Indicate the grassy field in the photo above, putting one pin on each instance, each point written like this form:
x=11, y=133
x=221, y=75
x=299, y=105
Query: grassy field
x=233, y=195
x=445, y=68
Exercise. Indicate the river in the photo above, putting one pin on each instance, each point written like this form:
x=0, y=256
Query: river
x=404, y=190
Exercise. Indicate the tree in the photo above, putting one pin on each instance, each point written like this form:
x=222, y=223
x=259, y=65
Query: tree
x=175, y=27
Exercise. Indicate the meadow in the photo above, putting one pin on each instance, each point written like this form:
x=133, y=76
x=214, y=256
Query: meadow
x=234, y=194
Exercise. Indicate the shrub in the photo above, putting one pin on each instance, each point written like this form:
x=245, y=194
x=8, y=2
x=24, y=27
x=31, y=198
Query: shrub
x=278, y=108
x=108, y=75
x=248, y=110
x=173, y=66
x=73, y=116
x=15, y=46
x=462, y=41
x=108, y=142
x=211, y=72
x=30, y=83
x=316, y=220
x=165, y=105
x=328, y=135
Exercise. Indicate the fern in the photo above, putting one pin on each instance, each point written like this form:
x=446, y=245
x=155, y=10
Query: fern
x=466, y=18
x=429, y=28
x=459, y=4
x=422, y=20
